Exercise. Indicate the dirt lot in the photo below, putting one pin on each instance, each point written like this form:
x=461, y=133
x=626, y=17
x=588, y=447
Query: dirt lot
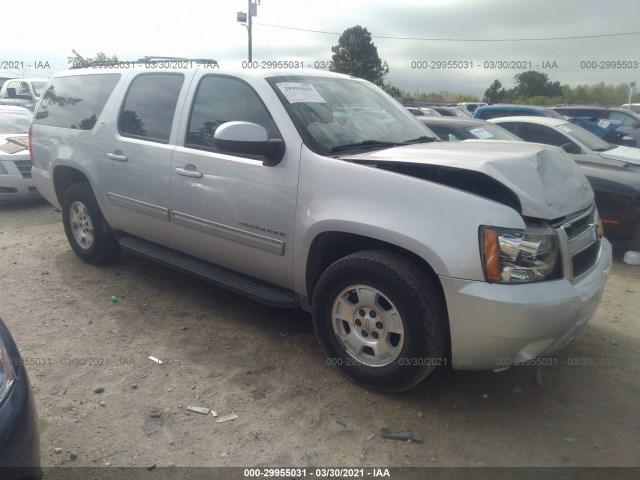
x=233, y=355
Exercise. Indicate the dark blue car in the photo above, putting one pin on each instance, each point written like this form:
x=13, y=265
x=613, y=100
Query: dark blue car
x=19, y=439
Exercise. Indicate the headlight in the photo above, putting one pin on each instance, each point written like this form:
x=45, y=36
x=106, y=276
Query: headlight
x=520, y=256
x=7, y=376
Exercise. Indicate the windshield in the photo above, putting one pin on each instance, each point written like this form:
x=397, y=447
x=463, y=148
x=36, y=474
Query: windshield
x=336, y=112
x=628, y=119
x=38, y=87
x=491, y=132
x=14, y=122
x=588, y=139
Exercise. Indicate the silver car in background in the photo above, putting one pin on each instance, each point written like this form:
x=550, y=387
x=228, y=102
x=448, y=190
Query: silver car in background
x=15, y=164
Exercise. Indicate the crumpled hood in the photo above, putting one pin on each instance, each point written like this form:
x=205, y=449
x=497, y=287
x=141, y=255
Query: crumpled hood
x=626, y=154
x=548, y=183
x=11, y=144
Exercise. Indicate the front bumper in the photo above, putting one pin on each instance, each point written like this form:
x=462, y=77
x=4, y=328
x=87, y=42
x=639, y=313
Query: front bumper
x=494, y=326
x=44, y=184
x=14, y=187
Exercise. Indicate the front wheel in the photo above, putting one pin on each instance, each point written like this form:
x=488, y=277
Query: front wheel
x=88, y=233
x=380, y=319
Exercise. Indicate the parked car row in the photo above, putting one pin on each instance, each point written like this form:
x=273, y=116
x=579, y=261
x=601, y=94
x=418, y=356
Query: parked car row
x=614, y=125
x=625, y=121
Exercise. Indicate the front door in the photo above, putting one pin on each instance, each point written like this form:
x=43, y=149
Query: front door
x=230, y=209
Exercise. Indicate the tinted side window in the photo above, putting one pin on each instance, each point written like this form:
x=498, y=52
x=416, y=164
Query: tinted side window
x=150, y=105
x=220, y=100
x=76, y=101
x=445, y=134
x=541, y=134
x=511, y=126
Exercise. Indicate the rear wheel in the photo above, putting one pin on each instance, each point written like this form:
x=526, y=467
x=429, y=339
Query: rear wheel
x=380, y=319
x=88, y=233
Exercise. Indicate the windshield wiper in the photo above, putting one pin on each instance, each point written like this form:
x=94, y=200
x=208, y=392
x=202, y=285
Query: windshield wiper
x=382, y=144
x=423, y=139
x=365, y=144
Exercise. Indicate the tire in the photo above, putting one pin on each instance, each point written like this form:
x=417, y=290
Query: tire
x=87, y=231
x=403, y=334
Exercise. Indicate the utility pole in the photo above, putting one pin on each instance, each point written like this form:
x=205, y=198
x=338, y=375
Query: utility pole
x=631, y=85
x=246, y=17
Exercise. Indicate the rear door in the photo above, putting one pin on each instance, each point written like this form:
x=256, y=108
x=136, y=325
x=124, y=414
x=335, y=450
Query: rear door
x=134, y=170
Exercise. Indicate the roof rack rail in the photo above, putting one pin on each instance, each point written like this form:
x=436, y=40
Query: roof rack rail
x=197, y=60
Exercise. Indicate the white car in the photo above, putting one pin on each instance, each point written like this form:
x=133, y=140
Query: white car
x=572, y=138
x=634, y=107
x=15, y=165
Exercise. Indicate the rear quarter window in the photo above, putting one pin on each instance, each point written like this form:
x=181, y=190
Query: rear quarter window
x=75, y=101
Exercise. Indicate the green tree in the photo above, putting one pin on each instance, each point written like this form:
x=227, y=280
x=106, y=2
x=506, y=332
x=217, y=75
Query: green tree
x=393, y=90
x=356, y=55
x=430, y=97
x=596, y=94
x=464, y=97
x=495, y=93
x=100, y=57
x=535, y=84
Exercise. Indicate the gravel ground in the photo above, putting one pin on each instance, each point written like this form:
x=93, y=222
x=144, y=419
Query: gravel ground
x=102, y=402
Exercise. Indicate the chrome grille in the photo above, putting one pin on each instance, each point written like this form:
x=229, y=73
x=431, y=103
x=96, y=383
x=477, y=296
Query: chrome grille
x=582, y=245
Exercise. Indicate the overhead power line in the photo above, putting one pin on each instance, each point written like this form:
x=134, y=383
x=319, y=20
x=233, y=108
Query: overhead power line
x=578, y=37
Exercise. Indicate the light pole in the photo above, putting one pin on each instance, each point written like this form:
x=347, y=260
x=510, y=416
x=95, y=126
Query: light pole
x=631, y=85
x=244, y=17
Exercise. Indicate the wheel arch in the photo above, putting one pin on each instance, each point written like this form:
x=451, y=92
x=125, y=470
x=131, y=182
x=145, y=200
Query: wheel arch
x=64, y=176
x=329, y=246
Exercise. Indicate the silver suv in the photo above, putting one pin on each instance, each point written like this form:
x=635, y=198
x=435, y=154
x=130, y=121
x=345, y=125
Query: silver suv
x=317, y=190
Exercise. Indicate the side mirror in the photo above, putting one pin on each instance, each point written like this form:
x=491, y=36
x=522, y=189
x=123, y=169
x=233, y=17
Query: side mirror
x=250, y=139
x=571, y=148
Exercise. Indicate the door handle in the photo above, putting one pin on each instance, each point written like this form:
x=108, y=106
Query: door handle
x=117, y=155
x=189, y=170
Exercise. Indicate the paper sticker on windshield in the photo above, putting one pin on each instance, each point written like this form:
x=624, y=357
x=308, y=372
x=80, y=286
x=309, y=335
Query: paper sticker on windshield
x=481, y=133
x=300, y=93
x=604, y=124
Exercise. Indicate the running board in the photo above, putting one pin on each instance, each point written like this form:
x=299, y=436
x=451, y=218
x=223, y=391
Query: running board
x=221, y=277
